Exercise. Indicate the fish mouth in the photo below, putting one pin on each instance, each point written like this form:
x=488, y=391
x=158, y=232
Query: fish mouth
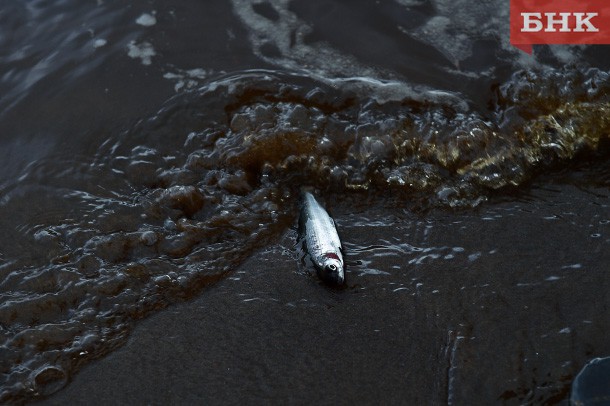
x=332, y=275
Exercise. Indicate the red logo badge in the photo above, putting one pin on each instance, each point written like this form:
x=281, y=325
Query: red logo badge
x=559, y=22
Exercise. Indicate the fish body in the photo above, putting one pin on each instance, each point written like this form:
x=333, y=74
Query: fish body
x=319, y=234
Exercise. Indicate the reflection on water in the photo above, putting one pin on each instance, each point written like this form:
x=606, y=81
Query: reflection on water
x=178, y=200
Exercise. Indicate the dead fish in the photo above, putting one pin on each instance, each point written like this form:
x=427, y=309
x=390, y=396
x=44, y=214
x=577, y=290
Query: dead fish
x=319, y=234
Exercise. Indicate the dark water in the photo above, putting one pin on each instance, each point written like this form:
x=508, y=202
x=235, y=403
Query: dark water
x=149, y=150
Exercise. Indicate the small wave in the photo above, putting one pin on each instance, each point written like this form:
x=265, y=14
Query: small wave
x=180, y=200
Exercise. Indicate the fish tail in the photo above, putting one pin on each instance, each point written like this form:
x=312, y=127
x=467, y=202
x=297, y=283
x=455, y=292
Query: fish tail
x=306, y=189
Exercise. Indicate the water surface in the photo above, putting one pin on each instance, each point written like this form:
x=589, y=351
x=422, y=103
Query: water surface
x=149, y=150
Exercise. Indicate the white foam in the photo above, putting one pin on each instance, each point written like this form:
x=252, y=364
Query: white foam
x=187, y=79
x=143, y=51
x=474, y=257
x=147, y=20
x=287, y=35
x=100, y=42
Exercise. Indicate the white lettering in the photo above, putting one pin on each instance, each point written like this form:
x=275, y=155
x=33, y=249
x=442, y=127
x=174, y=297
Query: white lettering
x=528, y=21
x=533, y=22
x=581, y=22
x=551, y=22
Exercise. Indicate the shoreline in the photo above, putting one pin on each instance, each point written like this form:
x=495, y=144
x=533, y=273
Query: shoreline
x=510, y=325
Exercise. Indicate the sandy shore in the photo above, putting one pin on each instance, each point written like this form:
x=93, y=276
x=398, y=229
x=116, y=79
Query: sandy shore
x=514, y=322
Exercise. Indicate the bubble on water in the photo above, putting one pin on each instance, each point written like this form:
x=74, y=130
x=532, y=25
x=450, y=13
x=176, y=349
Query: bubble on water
x=187, y=200
x=49, y=379
x=474, y=257
x=147, y=19
x=149, y=238
x=187, y=79
x=143, y=51
x=100, y=42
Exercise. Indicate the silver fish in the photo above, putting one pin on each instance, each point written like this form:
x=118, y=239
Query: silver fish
x=321, y=240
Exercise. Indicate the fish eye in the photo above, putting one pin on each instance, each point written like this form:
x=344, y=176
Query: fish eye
x=332, y=268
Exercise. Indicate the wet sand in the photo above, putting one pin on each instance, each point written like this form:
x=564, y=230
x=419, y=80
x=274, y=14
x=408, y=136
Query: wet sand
x=147, y=149
x=508, y=321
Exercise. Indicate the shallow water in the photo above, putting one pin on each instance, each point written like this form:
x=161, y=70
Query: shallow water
x=149, y=150
x=470, y=310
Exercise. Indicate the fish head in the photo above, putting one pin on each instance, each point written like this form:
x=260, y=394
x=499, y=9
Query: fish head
x=331, y=271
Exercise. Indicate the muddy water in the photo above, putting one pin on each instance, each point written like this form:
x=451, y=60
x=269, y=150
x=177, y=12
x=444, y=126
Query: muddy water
x=150, y=150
